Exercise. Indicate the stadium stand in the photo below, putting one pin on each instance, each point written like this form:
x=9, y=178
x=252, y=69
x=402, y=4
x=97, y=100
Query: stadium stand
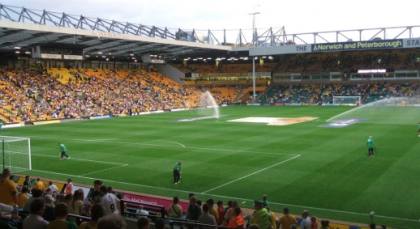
x=346, y=61
x=60, y=93
x=323, y=93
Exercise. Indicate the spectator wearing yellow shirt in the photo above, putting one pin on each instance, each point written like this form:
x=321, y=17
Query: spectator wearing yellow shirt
x=39, y=184
x=212, y=210
x=287, y=220
x=23, y=197
x=7, y=189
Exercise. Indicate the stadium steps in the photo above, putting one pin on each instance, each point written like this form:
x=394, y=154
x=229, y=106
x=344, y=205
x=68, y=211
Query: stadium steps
x=122, y=74
x=96, y=73
x=3, y=117
x=243, y=95
x=6, y=114
x=62, y=75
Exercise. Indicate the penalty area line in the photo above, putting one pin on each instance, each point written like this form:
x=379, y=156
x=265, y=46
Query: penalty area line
x=227, y=197
x=106, y=169
x=72, y=158
x=95, y=140
x=251, y=174
x=173, y=142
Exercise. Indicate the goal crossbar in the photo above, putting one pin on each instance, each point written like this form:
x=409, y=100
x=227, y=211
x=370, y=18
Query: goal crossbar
x=351, y=100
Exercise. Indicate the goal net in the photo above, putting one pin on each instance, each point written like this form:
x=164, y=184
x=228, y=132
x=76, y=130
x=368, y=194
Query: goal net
x=347, y=100
x=15, y=153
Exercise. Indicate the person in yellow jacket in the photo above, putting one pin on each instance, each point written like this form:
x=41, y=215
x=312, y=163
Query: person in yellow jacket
x=23, y=197
x=39, y=184
x=8, y=189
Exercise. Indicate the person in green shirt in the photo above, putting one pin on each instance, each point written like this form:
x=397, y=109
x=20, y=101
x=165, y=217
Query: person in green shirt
x=261, y=216
x=265, y=201
x=370, y=145
x=63, y=152
x=418, y=129
x=177, y=173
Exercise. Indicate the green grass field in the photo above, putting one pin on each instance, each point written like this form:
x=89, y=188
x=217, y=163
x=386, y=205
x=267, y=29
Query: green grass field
x=303, y=166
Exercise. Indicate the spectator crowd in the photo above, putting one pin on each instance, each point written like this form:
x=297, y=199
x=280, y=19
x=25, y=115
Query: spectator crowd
x=37, y=96
x=37, y=205
x=323, y=93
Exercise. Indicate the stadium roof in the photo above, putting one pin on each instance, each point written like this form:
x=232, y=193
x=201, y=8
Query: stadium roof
x=21, y=27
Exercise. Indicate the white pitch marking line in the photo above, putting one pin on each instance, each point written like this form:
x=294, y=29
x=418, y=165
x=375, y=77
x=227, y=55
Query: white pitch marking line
x=95, y=140
x=106, y=169
x=94, y=161
x=74, y=159
x=251, y=174
x=343, y=113
x=174, y=142
x=227, y=197
x=178, y=143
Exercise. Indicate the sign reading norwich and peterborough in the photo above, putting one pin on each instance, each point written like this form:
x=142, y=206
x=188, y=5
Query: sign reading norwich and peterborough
x=358, y=45
x=336, y=47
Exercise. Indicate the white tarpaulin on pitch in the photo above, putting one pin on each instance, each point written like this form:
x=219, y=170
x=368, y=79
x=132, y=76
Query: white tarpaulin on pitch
x=274, y=121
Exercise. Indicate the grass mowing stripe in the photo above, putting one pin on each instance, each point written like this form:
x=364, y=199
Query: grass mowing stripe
x=251, y=174
x=176, y=143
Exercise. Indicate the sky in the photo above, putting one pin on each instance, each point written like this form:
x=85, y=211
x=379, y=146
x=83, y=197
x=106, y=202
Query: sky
x=295, y=15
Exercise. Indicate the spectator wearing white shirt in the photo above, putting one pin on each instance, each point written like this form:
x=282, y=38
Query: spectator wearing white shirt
x=110, y=201
x=305, y=222
x=52, y=187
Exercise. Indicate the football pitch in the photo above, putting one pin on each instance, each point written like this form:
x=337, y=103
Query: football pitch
x=302, y=166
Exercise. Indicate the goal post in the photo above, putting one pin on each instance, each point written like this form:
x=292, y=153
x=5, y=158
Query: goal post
x=353, y=100
x=15, y=153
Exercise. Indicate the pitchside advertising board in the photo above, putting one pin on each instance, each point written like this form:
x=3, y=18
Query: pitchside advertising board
x=335, y=47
